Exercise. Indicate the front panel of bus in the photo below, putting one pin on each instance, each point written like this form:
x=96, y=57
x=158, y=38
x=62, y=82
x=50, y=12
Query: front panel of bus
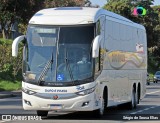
x=55, y=71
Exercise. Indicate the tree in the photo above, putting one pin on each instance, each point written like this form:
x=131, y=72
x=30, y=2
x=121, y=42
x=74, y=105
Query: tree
x=65, y=3
x=5, y=15
x=17, y=9
x=157, y=30
x=121, y=7
x=23, y=10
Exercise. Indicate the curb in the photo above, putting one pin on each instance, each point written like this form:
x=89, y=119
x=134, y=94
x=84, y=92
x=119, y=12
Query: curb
x=7, y=94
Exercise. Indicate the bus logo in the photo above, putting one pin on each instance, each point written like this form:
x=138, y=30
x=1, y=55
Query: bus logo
x=55, y=97
x=80, y=88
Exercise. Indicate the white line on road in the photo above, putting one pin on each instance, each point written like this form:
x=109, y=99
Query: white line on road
x=144, y=110
x=153, y=92
x=2, y=121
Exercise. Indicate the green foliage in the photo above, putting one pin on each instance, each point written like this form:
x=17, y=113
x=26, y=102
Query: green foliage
x=22, y=28
x=10, y=67
x=157, y=9
x=65, y=3
x=152, y=65
x=157, y=28
x=20, y=10
x=23, y=10
x=121, y=7
x=9, y=85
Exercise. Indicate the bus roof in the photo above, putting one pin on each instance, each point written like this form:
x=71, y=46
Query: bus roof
x=74, y=16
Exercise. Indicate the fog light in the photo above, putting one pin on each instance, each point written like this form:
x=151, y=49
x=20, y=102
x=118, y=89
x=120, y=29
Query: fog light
x=85, y=104
x=28, y=102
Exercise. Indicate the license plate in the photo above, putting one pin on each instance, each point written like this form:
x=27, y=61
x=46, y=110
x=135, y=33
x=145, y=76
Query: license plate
x=56, y=106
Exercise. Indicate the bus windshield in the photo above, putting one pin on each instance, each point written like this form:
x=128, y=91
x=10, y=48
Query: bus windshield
x=58, y=55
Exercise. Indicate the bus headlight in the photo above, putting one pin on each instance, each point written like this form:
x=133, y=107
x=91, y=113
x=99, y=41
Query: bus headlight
x=27, y=91
x=85, y=92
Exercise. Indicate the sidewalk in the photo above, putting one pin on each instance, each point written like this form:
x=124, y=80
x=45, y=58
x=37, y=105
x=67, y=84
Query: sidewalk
x=7, y=94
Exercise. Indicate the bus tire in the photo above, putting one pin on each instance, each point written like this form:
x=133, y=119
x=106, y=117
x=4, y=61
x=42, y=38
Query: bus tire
x=101, y=111
x=138, y=94
x=133, y=103
x=42, y=113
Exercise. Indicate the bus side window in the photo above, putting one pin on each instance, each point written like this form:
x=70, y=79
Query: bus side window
x=98, y=28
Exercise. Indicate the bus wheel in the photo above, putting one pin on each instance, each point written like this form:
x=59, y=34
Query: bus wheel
x=100, y=112
x=42, y=113
x=138, y=94
x=133, y=103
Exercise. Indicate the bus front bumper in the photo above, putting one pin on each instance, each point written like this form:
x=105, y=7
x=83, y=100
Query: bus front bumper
x=88, y=102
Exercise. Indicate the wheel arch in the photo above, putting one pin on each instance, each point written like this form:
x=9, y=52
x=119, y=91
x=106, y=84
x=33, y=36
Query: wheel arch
x=139, y=91
x=135, y=87
x=105, y=95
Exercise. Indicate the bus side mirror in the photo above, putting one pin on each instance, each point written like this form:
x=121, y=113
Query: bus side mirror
x=95, y=47
x=15, y=45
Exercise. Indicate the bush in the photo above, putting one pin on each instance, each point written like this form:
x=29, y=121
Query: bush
x=10, y=67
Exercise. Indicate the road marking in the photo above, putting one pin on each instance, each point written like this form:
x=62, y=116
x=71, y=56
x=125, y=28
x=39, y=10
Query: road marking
x=144, y=110
x=2, y=121
x=153, y=92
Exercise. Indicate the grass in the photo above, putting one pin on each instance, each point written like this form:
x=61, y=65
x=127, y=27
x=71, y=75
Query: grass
x=9, y=85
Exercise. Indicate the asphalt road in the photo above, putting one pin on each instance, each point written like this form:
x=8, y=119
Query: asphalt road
x=147, y=111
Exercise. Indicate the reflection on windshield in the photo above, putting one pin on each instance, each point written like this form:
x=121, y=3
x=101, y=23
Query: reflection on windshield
x=79, y=69
x=72, y=59
x=45, y=69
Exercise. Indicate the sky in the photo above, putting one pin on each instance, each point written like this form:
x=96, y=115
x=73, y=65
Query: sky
x=102, y=2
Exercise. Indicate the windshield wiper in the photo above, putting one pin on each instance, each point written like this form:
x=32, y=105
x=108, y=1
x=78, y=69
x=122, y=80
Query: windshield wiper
x=45, y=70
x=49, y=63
